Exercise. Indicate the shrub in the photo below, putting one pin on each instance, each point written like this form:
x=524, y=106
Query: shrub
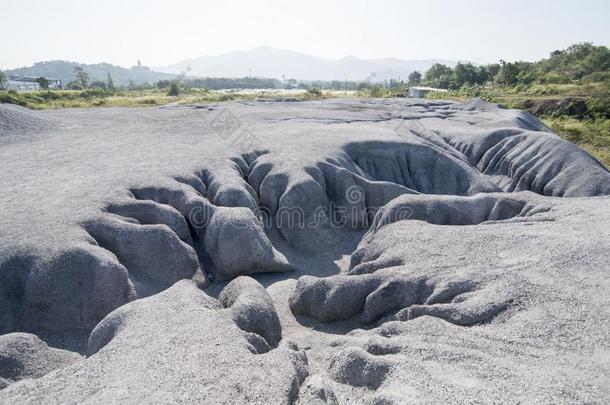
x=599, y=102
x=12, y=97
x=174, y=89
x=3, y=80
x=43, y=82
x=74, y=85
x=98, y=84
x=314, y=92
x=94, y=93
x=163, y=84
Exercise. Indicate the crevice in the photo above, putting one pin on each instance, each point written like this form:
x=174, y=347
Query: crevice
x=215, y=223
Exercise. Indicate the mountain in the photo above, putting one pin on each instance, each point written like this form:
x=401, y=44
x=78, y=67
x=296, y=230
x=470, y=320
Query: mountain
x=259, y=62
x=278, y=63
x=64, y=70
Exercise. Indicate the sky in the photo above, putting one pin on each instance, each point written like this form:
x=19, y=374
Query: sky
x=166, y=32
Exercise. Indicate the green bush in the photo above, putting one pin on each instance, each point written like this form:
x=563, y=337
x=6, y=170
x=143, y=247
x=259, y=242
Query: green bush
x=12, y=97
x=599, y=102
x=94, y=93
x=314, y=92
x=483, y=92
x=50, y=95
x=593, y=135
x=174, y=89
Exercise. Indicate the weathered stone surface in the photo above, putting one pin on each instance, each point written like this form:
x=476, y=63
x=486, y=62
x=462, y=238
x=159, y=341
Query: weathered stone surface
x=23, y=355
x=177, y=346
x=252, y=308
x=416, y=250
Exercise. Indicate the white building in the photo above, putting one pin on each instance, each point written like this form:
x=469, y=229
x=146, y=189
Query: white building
x=29, y=83
x=420, y=92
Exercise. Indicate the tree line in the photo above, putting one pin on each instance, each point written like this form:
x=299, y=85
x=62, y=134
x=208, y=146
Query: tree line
x=579, y=63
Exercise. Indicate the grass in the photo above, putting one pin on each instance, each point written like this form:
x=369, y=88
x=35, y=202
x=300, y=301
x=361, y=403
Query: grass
x=591, y=131
x=593, y=135
x=40, y=100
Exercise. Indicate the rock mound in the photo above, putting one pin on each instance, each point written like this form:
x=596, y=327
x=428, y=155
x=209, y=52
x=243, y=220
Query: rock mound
x=17, y=120
x=177, y=346
x=23, y=355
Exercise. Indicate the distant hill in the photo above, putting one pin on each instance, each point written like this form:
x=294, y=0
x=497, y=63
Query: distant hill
x=262, y=62
x=278, y=63
x=64, y=70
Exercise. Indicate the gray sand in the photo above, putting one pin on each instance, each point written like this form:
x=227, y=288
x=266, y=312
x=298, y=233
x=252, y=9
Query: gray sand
x=409, y=250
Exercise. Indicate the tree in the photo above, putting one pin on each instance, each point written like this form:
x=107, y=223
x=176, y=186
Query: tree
x=82, y=77
x=98, y=84
x=334, y=85
x=437, y=70
x=163, y=84
x=109, y=82
x=43, y=82
x=314, y=92
x=465, y=73
x=507, y=76
x=3, y=81
x=487, y=73
x=439, y=75
x=414, y=78
x=598, y=60
x=174, y=89
x=73, y=85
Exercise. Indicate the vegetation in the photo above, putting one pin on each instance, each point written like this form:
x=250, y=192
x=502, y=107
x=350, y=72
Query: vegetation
x=314, y=92
x=109, y=82
x=43, y=82
x=140, y=97
x=3, y=80
x=174, y=89
x=415, y=78
x=82, y=77
x=98, y=84
x=593, y=135
x=580, y=63
x=570, y=90
x=64, y=71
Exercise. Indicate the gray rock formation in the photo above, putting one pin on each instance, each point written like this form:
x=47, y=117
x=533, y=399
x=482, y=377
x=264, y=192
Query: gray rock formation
x=199, y=355
x=416, y=250
x=252, y=309
x=23, y=355
x=316, y=390
x=68, y=290
x=15, y=120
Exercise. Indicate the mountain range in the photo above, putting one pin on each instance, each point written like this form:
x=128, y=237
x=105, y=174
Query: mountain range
x=263, y=62
x=64, y=70
x=279, y=63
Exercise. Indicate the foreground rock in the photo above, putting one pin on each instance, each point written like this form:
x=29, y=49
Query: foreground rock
x=419, y=251
x=252, y=309
x=23, y=355
x=178, y=346
x=505, y=311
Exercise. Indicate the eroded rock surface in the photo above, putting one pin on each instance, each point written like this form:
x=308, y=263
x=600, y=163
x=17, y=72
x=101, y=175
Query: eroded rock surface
x=252, y=309
x=178, y=346
x=23, y=355
x=461, y=249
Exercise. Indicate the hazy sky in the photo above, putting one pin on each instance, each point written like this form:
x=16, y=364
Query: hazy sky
x=165, y=32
